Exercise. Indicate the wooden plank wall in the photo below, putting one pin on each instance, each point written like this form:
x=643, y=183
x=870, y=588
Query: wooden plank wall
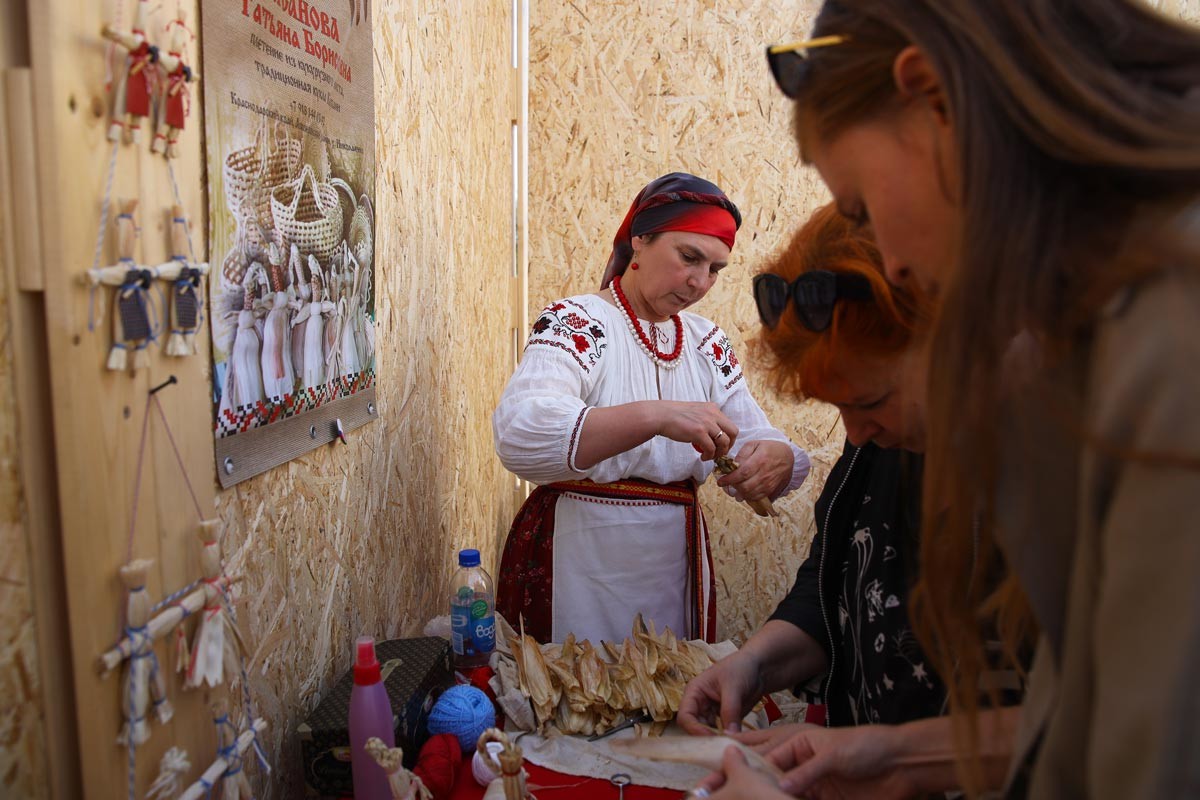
x=348, y=539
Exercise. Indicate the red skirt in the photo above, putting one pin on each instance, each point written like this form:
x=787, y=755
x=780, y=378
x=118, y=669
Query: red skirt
x=526, y=583
x=137, y=82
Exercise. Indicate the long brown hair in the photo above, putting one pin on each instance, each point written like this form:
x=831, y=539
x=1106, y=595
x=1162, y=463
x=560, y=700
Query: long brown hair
x=802, y=362
x=1078, y=135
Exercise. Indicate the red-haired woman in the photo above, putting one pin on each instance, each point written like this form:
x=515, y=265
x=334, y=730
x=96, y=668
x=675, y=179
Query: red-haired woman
x=835, y=331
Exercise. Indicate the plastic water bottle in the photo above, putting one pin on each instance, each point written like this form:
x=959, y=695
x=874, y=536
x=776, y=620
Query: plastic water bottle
x=370, y=715
x=472, y=613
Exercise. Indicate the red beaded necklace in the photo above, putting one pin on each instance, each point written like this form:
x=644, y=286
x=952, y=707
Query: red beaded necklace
x=635, y=325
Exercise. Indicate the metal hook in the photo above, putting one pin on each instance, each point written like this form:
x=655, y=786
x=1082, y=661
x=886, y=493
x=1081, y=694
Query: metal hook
x=164, y=384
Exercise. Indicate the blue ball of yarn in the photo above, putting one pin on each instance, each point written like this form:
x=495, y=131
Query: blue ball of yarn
x=465, y=712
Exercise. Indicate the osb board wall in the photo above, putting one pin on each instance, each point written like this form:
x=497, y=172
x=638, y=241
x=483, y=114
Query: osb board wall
x=623, y=91
x=361, y=538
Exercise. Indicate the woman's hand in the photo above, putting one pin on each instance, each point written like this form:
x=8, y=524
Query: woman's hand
x=764, y=740
x=764, y=470
x=739, y=780
x=703, y=425
x=855, y=763
x=722, y=694
x=858, y=763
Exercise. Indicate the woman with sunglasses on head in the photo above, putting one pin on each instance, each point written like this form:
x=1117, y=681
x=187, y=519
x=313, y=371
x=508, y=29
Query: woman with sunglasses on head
x=835, y=331
x=1035, y=164
x=620, y=403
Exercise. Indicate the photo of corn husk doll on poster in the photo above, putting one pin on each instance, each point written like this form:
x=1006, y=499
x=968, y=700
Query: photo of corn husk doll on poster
x=290, y=122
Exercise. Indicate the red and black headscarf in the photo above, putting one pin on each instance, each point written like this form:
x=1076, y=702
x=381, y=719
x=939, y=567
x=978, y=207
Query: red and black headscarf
x=674, y=202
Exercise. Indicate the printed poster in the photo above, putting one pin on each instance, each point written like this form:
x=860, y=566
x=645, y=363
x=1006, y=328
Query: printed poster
x=290, y=124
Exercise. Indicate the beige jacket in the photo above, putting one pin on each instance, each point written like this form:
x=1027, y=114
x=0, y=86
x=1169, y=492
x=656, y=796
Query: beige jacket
x=1107, y=543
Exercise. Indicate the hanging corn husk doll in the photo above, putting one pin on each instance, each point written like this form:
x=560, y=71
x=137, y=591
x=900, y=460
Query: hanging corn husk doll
x=131, y=98
x=132, y=320
x=234, y=783
x=279, y=377
x=174, y=100
x=185, y=300
x=212, y=645
x=143, y=679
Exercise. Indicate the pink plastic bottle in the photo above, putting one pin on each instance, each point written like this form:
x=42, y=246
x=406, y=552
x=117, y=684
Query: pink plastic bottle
x=370, y=715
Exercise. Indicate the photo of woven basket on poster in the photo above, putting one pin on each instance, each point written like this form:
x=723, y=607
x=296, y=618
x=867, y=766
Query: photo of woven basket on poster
x=252, y=173
x=308, y=213
x=359, y=236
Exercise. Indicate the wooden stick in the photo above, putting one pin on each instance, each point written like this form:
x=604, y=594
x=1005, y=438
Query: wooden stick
x=211, y=775
x=162, y=623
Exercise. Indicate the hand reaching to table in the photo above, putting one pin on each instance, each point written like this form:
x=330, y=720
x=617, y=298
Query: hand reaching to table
x=721, y=695
x=859, y=763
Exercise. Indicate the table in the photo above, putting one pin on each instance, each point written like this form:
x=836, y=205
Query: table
x=573, y=787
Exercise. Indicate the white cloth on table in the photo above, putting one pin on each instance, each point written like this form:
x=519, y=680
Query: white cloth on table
x=610, y=560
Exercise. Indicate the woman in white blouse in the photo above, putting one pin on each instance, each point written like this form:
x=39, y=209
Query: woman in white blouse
x=617, y=409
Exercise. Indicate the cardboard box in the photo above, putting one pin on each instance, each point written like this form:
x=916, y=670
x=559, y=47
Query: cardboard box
x=415, y=672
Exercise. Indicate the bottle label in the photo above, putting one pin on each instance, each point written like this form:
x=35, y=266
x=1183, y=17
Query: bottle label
x=460, y=630
x=483, y=631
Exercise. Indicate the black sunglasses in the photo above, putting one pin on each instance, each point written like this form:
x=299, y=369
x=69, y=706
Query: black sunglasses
x=813, y=296
x=788, y=61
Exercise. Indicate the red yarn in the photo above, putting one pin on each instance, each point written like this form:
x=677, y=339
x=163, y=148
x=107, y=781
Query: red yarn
x=438, y=764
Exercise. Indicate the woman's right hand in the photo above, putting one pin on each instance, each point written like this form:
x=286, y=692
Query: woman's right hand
x=702, y=425
x=864, y=762
x=722, y=694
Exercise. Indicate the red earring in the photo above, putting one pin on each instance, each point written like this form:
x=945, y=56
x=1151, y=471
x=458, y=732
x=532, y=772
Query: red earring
x=634, y=265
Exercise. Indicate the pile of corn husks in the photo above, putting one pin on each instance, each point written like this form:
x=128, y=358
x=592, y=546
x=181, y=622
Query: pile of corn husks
x=576, y=688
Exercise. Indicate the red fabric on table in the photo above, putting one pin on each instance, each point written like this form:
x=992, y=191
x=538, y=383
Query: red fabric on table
x=588, y=788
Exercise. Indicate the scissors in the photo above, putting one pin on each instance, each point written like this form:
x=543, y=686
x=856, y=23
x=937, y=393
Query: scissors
x=620, y=780
x=629, y=723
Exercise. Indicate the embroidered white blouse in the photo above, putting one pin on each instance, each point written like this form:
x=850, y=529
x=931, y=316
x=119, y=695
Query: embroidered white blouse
x=612, y=561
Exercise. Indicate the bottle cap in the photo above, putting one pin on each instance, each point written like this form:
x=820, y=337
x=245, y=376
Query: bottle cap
x=366, y=665
x=468, y=558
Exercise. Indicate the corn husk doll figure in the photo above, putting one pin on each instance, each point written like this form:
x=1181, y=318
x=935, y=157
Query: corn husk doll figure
x=403, y=784
x=212, y=646
x=314, y=315
x=234, y=783
x=348, y=311
x=132, y=321
x=332, y=346
x=144, y=680
x=186, y=299
x=279, y=378
x=174, y=99
x=243, y=369
x=299, y=296
x=131, y=100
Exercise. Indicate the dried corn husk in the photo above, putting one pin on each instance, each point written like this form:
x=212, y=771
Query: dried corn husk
x=576, y=688
x=762, y=506
x=703, y=751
